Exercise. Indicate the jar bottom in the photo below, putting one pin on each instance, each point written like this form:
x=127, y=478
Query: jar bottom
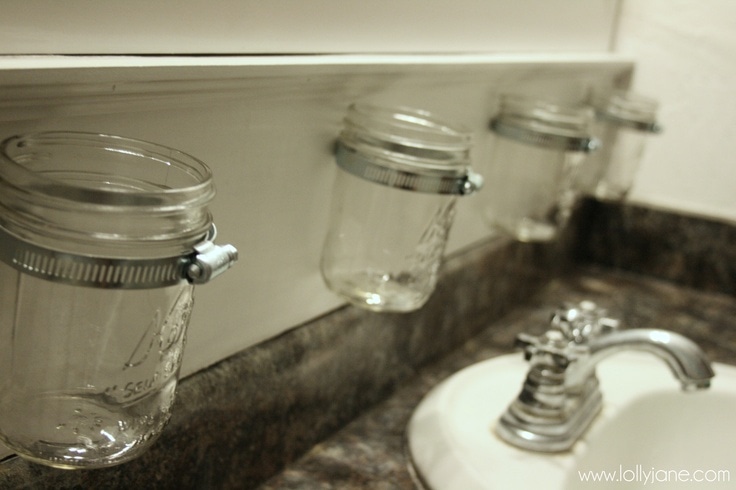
x=381, y=291
x=610, y=192
x=82, y=430
x=528, y=230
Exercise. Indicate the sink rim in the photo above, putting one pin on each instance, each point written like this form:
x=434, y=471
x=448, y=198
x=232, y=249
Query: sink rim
x=454, y=461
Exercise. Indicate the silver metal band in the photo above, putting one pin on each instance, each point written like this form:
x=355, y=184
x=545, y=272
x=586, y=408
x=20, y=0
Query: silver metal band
x=354, y=163
x=205, y=262
x=548, y=140
x=645, y=126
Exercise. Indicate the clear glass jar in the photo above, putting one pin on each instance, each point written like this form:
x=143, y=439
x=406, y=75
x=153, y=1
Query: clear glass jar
x=400, y=171
x=102, y=239
x=624, y=122
x=539, y=146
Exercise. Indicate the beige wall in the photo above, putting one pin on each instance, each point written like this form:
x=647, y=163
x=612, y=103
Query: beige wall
x=685, y=53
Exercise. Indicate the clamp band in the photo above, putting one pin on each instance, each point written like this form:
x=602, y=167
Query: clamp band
x=113, y=273
x=583, y=144
x=354, y=163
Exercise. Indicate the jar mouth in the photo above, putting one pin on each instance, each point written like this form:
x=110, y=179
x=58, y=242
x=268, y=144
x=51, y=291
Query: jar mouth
x=544, y=123
x=408, y=136
x=144, y=174
x=546, y=117
x=629, y=109
x=82, y=191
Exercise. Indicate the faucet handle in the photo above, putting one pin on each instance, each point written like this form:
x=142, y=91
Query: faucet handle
x=582, y=322
x=549, y=348
x=574, y=325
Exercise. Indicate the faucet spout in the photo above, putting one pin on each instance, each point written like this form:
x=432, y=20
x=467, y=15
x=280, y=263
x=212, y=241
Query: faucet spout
x=685, y=359
x=560, y=396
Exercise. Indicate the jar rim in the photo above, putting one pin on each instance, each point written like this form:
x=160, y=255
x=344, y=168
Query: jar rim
x=546, y=123
x=408, y=126
x=628, y=109
x=15, y=171
x=103, y=195
x=407, y=139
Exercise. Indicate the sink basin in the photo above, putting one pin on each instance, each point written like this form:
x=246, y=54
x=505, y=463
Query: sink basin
x=649, y=431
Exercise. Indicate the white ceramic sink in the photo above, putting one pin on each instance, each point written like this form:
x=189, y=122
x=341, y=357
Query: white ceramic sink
x=649, y=434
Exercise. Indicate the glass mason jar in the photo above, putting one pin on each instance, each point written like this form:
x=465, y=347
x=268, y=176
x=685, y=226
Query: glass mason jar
x=624, y=121
x=539, y=146
x=102, y=239
x=400, y=171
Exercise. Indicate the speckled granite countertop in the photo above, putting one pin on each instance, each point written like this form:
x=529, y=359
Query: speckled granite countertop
x=369, y=452
x=325, y=404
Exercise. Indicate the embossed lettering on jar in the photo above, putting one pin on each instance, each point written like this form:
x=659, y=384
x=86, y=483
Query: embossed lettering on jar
x=100, y=237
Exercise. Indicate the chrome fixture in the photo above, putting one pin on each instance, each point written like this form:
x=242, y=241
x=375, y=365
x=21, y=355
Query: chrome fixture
x=560, y=396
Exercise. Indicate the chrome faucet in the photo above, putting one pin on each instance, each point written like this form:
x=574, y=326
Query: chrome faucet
x=560, y=396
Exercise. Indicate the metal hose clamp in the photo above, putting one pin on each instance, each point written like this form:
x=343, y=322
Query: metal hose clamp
x=461, y=183
x=210, y=260
x=577, y=143
x=206, y=262
x=638, y=125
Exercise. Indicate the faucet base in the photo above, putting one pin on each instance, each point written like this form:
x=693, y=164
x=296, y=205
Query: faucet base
x=557, y=434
